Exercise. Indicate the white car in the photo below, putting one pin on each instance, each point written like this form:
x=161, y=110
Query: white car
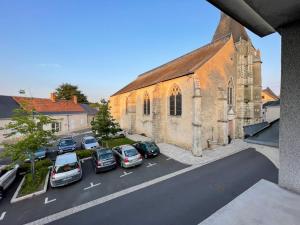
x=89, y=142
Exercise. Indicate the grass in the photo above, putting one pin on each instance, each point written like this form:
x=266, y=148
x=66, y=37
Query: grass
x=116, y=142
x=30, y=186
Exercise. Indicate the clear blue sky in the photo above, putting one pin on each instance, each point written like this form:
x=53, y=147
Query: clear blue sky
x=103, y=45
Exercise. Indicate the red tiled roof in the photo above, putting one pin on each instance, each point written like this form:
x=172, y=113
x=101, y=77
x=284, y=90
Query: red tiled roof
x=44, y=105
x=184, y=65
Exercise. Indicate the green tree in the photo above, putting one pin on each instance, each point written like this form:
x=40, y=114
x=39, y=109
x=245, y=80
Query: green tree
x=30, y=126
x=67, y=91
x=104, y=124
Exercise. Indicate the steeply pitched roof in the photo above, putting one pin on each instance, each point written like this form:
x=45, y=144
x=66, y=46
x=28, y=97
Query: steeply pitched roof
x=228, y=26
x=184, y=65
x=89, y=110
x=43, y=105
x=7, y=106
x=269, y=92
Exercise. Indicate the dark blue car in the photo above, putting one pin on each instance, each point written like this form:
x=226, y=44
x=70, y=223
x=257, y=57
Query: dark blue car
x=66, y=145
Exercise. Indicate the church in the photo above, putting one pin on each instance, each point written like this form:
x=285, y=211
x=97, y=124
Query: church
x=199, y=100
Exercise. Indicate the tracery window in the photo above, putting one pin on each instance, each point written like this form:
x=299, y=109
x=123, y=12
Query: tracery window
x=175, y=101
x=146, y=104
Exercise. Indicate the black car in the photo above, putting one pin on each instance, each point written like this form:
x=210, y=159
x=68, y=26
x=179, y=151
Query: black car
x=147, y=148
x=66, y=145
x=103, y=160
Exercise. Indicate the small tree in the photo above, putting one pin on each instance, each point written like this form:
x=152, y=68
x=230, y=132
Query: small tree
x=33, y=136
x=104, y=124
x=67, y=91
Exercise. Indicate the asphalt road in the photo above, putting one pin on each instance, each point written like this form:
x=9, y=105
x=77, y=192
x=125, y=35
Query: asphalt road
x=186, y=199
x=80, y=193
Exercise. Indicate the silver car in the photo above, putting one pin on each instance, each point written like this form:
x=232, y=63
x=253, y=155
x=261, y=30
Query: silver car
x=127, y=156
x=89, y=142
x=67, y=169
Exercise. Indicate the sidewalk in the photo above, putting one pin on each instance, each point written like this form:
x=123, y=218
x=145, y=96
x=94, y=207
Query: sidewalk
x=186, y=157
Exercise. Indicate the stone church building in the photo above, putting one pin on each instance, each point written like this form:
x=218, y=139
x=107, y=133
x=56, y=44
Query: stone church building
x=199, y=99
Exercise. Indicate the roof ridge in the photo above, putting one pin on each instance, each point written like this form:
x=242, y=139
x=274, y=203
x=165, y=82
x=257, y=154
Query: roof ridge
x=181, y=57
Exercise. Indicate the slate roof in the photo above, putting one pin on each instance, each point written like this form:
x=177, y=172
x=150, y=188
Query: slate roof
x=89, y=110
x=271, y=103
x=7, y=106
x=228, y=26
x=182, y=66
x=46, y=106
x=268, y=136
x=269, y=92
x=252, y=129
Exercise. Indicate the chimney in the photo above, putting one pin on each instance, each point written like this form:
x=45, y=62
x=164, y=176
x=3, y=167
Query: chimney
x=75, y=99
x=53, y=97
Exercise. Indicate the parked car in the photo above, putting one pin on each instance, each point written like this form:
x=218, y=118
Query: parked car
x=41, y=153
x=7, y=177
x=66, y=145
x=119, y=134
x=89, y=142
x=66, y=170
x=147, y=148
x=127, y=156
x=103, y=159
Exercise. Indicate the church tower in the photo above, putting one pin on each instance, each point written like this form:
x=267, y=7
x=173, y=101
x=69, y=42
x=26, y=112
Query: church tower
x=244, y=93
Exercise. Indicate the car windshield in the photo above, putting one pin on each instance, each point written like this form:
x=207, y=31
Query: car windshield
x=90, y=141
x=66, y=142
x=66, y=167
x=150, y=145
x=130, y=152
x=105, y=155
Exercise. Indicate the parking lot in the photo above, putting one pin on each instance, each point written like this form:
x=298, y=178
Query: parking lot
x=91, y=186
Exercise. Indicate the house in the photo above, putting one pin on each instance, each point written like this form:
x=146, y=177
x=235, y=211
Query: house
x=268, y=95
x=199, y=99
x=271, y=111
x=69, y=115
x=91, y=113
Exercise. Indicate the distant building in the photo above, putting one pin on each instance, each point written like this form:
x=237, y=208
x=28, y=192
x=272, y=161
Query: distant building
x=198, y=99
x=271, y=111
x=69, y=115
x=268, y=95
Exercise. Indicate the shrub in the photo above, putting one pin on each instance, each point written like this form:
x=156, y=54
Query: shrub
x=25, y=167
x=29, y=186
x=84, y=153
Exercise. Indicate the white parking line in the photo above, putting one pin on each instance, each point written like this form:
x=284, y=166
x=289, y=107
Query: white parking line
x=125, y=174
x=168, y=158
x=47, y=201
x=151, y=164
x=92, y=185
x=2, y=216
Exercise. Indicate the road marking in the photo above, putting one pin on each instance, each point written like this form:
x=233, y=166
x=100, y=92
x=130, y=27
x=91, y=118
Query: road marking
x=101, y=200
x=168, y=158
x=2, y=215
x=47, y=201
x=91, y=186
x=151, y=164
x=125, y=174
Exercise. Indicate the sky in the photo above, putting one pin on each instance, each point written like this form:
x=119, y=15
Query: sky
x=101, y=46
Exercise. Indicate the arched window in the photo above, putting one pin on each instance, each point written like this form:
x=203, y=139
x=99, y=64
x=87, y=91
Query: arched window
x=230, y=93
x=146, y=104
x=175, y=101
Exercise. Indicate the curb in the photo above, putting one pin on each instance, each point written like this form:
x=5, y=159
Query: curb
x=15, y=199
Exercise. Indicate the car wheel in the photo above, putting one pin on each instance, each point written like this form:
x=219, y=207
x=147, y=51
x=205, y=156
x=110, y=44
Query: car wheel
x=96, y=171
